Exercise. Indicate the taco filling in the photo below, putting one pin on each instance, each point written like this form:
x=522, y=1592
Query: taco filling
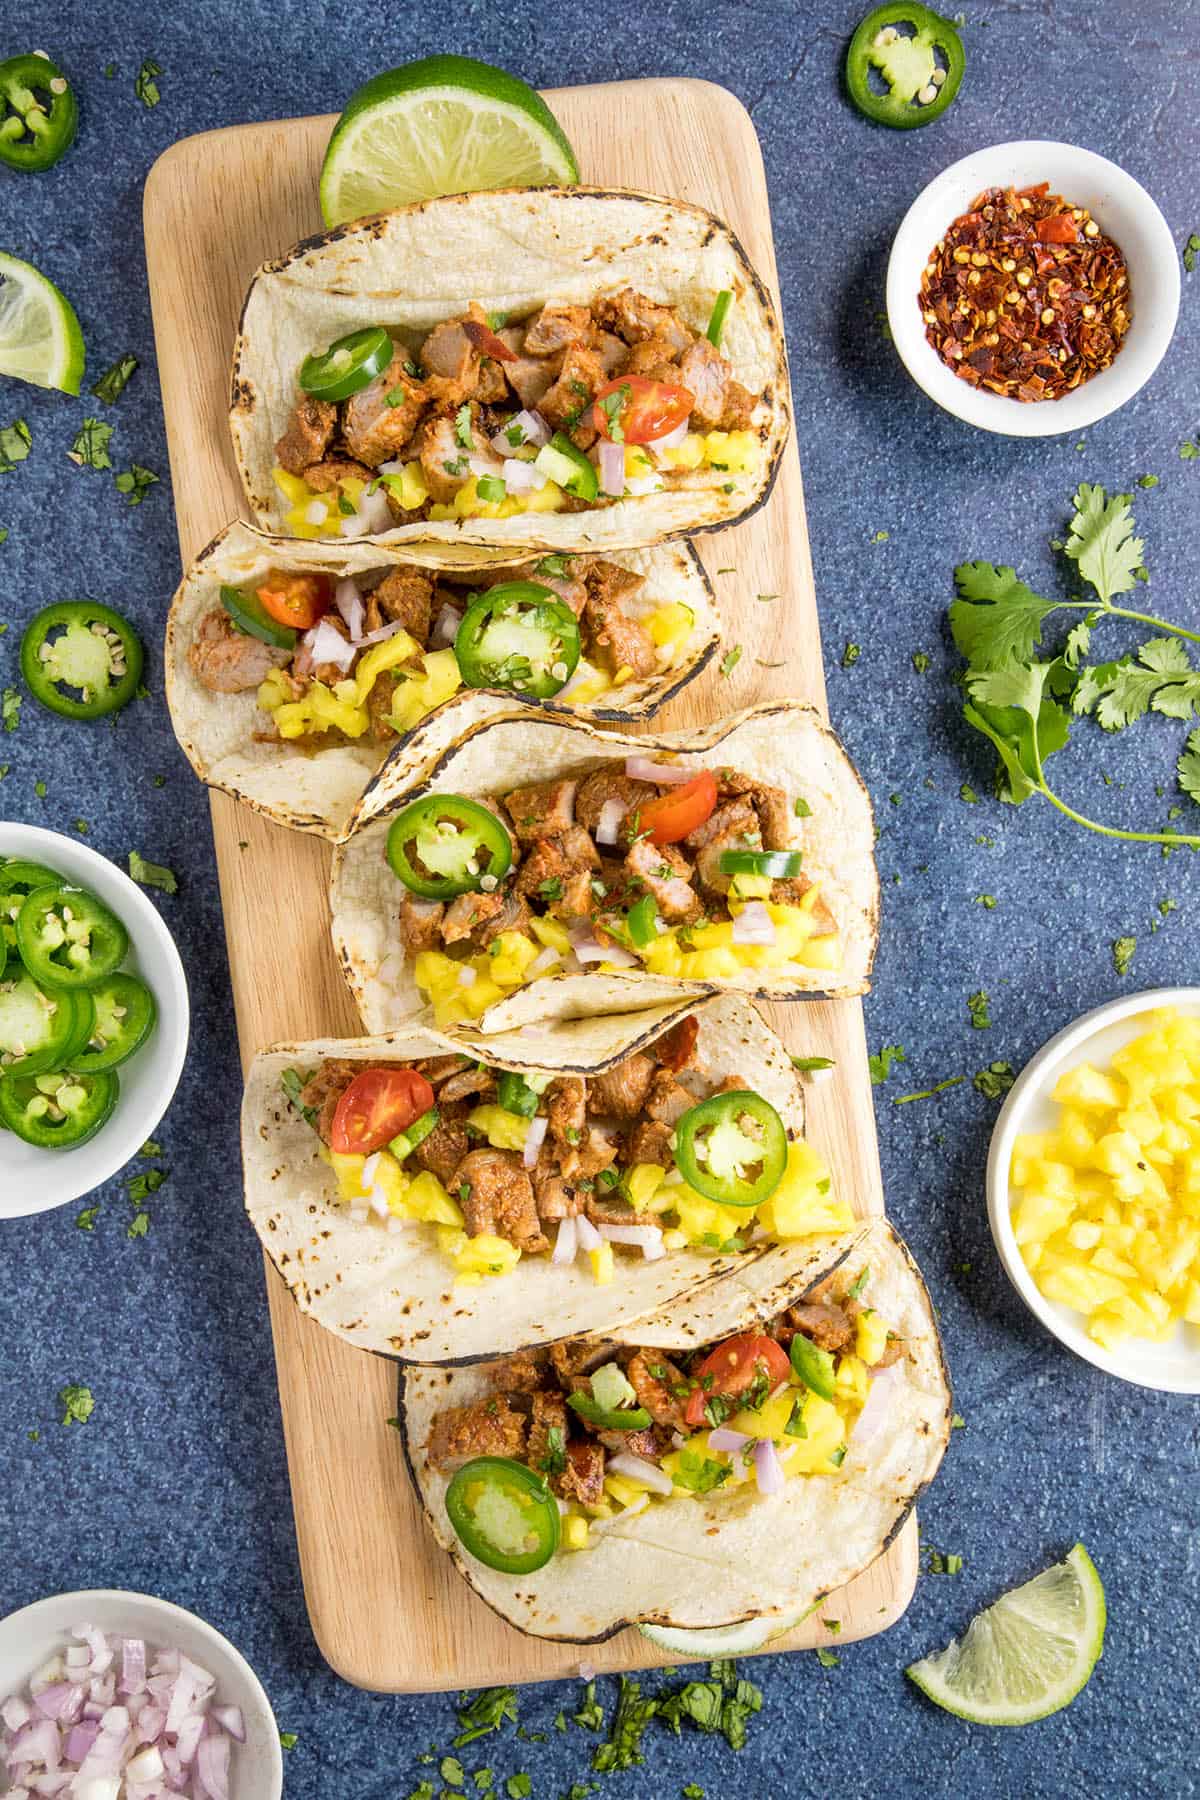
x=689, y=874
x=336, y=660
x=659, y=1153
x=567, y=1441
x=570, y=408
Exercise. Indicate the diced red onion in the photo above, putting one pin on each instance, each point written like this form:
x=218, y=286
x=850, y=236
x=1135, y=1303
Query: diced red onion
x=15, y=1713
x=609, y=822
x=612, y=468
x=589, y=1237
x=467, y=976
x=446, y=626
x=544, y=959
x=637, y=1468
x=212, y=1766
x=639, y=485
x=753, y=925
x=589, y=949
x=230, y=1719
x=480, y=464
x=326, y=644
x=728, y=1441
x=523, y=477
x=533, y=1141
x=647, y=1238
x=640, y=768
x=349, y=603
x=881, y=1397
x=566, y=1244
x=37, y=1743
x=670, y=440
x=768, y=1470
x=534, y=431
x=374, y=511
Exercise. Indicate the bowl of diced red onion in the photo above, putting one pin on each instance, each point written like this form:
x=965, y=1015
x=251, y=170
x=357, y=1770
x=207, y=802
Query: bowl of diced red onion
x=106, y=1695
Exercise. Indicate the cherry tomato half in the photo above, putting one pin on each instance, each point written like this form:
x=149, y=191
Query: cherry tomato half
x=296, y=600
x=680, y=810
x=733, y=1367
x=633, y=409
x=376, y=1107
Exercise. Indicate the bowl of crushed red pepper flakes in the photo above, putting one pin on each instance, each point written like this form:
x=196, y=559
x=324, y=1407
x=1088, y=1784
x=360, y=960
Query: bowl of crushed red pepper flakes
x=1033, y=288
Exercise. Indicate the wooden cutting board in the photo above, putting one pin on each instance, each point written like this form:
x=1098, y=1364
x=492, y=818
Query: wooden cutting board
x=388, y=1609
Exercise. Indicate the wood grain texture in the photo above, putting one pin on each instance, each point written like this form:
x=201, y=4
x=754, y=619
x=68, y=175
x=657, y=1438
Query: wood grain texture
x=388, y=1610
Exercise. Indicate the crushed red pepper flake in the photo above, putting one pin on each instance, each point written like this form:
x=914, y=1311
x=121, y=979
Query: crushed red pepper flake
x=1025, y=295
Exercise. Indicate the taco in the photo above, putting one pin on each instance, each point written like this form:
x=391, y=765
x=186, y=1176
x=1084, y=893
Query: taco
x=565, y=369
x=738, y=855
x=442, y=1201
x=743, y=1474
x=293, y=669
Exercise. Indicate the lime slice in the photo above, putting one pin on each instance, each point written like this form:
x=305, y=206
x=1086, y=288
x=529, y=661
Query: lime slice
x=444, y=125
x=40, y=339
x=1026, y=1656
x=724, y=1640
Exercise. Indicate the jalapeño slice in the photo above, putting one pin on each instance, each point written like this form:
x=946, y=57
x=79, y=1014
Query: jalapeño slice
x=350, y=364
x=732, y=1148
x=505, y=1515
x=38, y=114
x=83, y=646
x=57, y=1111
x=251, y=617
x=518, y=635
x=780, y=865
x=515, y=1095
x=123, y=1019
x=18, y=879
x=40, y=1028
x=67, y=938
x=918, y=72
x=444, y=844
x=405, y=1142
x=813, y=1366
x=608, y=1418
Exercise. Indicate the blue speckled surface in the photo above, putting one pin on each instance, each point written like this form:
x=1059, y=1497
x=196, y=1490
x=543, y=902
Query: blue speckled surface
x=178, y=1485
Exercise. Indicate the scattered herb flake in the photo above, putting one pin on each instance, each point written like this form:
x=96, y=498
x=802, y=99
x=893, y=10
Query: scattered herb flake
x=801, y=808
x=90, y=449
x=486, y=1713
x=288, y=1739
x=149, y=874
x=730, y=662
x=138, y=1226
x=86, y=1220
x=518, y=1787
x=1122, y=953
x=135, y=483
x=111, y=384
x=920, y=661
x=978, y=1007
x=994, y=1081
x=928, y=1093
x=987, y=900
x=850, y=655
x=10, y=708
x=957, y=1422
x=146, y=1183
x=807, y=1064
x=1190, y=250
x=967, y=793
x=77, y=1404
x=451, y=1771
x=144, y=84
x=881, y=1065
x=15, y=441
x=828, y=1659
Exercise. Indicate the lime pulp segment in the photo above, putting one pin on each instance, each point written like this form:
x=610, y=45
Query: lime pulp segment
x=40, y=339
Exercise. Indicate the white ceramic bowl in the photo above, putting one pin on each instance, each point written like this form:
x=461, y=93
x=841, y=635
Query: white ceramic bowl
x=31, y=1180
x=29, y=1638
x=1173, y=1367
x=1123, y=210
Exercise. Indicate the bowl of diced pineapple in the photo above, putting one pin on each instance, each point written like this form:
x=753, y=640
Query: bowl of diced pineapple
x=1093, y=1186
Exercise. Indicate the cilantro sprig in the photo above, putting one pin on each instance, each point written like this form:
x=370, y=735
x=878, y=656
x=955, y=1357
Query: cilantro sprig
x=1024, y=705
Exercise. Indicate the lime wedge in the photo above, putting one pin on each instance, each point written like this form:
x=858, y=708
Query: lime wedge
x=1026, y=1656
x=40, y=339
x=724, y=1640
x=443, y=125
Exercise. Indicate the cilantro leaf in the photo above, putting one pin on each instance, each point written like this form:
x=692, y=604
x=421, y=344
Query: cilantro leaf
x=730, y=661
x=623, y=1747
x=1188, y=766
x=15, y=441
x=288, y=1740
x=828, y=1659
x=1122, y=953
x=144, y=85
x=10, y=708
x=997, y=620
x=86, y=1220
x=148, y=874
x=111, y=384
x=1012, y=709
x=77, y=1404
x=881, y=1065
x=978, y=1005
x=485, y=1713
x=1161, y=679
x=994, y=1081
x=135, y=483
x=90, y=449
x=1101, y=541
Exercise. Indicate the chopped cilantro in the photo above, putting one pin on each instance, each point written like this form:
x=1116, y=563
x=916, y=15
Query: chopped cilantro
x=90, y=449
x=920, y=661
x=828, y=1659
x=451, y=1771
x=801, y=808
x=833, y=1626
x=692, y=1792
x=82, y=827
x=138, y=1226
x=10, y=708
x=288, y=1740
x=462, y=427
x=612, y=406
x=1190, y=251
x=1122, y=953
x=111, y=384
x=143, y=1185
x=967, y=793
x=3, y=534
x=86, y=1220
x=135, y=483
x=880, y=537
x=485, y=1713
x=148, y=874
x=518, y=1787
x=807, y=1064
x=987, y=900
x=994, y=1081
x=763, y=597
x=77, y=1404
x=623, y=1747
x=15, y=440
x=928, y=1093
x=730, y=661
x=957, y=1422
x=1188, y=452
x=144, y=84
x=150, y=1148
x=1147, y=481
x=863, y=1277
x=701, y=1474
x=39, y=788
x=482, y=1779
x=978, y=1007
x=881, y=1065
x=850, y=655
x=591, y=1714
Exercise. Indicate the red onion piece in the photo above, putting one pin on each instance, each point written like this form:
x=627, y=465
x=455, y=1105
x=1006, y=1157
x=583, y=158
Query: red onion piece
x=589, y=949
x=881, y=1396
x=374, y=511
x=609, y=823
x=349, y=603
x=326, y=644
x=669, y=440
x=545, y=959
x=15, y=1713
x=589, y=1237
x=62, y=1701
x=646, y=1238
x=566, y=1244
x=523, y=477
x=729, y=1441
x=534, y=430
x=637, y=1468
x=212, y=1766
x=612, y=468
x=446, y=626
x=640, y=768
x=768, y=1470
x=753, y=925
x=533, y=1142
x=230, y=1719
